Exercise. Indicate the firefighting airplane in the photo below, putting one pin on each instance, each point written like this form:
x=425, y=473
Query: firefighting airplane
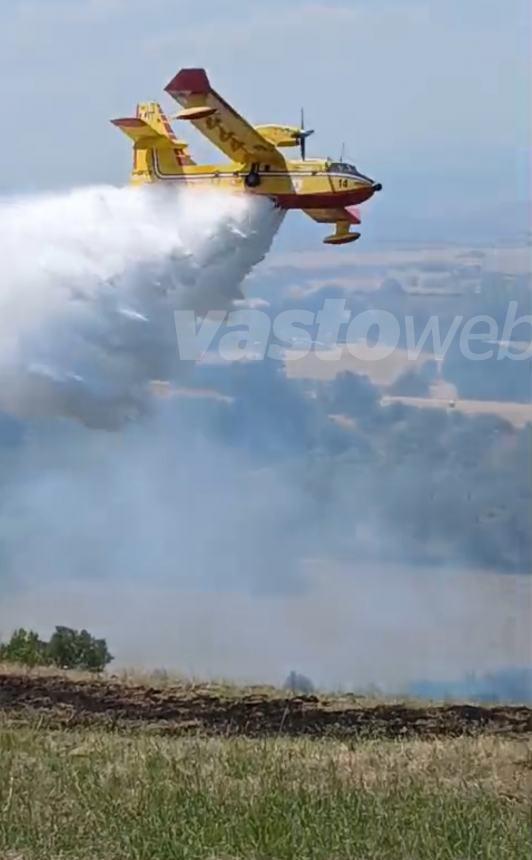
x=327, y=191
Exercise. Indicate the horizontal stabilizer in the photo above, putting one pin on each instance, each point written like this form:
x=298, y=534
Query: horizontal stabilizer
x=150, y=126
x=137, y=129
x=156, y=151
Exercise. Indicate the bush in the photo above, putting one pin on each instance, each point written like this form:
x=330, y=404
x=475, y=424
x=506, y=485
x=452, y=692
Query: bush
x=67, y=649
x=298, y=683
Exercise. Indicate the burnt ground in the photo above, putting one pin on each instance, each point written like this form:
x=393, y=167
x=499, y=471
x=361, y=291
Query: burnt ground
x=61, y=701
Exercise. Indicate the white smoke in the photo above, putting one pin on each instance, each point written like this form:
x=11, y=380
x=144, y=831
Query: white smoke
x=89, y=283
x=168, y=538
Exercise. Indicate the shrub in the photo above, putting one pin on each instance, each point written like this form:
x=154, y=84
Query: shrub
x=298, y=683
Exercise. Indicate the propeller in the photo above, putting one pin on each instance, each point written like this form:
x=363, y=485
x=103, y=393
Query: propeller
x=302, y=135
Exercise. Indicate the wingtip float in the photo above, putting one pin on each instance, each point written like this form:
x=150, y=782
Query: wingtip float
x=328, y=191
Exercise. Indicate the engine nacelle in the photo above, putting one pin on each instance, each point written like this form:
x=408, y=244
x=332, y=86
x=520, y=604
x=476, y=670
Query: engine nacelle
x=280, y=135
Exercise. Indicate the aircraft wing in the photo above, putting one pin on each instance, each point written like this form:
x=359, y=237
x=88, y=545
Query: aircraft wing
x=349, y=214
x=218, y=121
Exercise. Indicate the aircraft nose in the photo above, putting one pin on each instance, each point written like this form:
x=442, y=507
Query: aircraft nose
x=377, y=186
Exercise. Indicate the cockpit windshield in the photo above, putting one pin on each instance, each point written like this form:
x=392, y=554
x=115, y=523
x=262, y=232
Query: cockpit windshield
x=342, y=167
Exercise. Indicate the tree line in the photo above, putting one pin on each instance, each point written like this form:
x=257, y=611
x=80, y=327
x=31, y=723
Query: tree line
x=66, y=649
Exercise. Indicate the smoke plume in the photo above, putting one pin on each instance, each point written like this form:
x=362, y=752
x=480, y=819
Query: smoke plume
x=89, y=283
x=246, y=534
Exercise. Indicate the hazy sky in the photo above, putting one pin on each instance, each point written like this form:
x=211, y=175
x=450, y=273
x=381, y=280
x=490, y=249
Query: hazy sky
x=430, y=98
x=428, y=95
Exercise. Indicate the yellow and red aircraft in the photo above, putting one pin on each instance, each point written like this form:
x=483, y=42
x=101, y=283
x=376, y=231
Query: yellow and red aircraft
x=327, y=191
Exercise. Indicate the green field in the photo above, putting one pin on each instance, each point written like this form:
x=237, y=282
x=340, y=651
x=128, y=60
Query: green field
x=93, y=794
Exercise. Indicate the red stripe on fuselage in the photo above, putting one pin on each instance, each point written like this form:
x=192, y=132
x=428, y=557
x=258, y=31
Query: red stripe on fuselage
x=328, y=200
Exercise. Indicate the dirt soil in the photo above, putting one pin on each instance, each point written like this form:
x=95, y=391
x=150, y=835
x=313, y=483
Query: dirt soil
x=60, y=701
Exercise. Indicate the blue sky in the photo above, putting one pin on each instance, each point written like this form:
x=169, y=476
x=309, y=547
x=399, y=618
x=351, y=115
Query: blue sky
x=430, y=96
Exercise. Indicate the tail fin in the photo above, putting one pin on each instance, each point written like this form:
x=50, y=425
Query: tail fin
x=153, y=114
x=156, y=152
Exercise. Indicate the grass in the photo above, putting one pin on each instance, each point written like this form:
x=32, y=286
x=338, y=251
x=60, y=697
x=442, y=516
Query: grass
x=104, y=796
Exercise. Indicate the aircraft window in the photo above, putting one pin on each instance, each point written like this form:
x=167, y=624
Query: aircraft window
x=341, y=167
